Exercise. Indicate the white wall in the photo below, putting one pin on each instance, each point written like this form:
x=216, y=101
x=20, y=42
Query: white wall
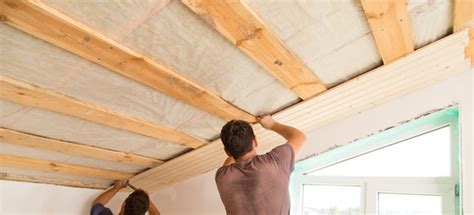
x=30, y=198
x=199, y=194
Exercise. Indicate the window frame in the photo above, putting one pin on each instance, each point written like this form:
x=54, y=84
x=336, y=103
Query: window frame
x=371, y=186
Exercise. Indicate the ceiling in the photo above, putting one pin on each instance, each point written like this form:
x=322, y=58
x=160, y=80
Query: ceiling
x=332, y=39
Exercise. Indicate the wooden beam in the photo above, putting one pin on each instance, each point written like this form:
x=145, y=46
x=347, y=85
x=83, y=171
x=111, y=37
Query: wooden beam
x=10, y=161
x=390, y=25
x=37, y=19
x=37, y=142
x=55, y=181
x=426, y=66
x=464, y=18
x=235, y=21
x=33, y=96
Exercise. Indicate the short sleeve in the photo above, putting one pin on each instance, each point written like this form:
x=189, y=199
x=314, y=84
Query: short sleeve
x=284, y=156
x=219, y=173
x=99, y=209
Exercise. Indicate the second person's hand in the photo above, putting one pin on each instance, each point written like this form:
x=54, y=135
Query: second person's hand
x=119, y=184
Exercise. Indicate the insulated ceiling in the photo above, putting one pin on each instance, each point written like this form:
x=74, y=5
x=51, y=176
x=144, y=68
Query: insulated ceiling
x=332, y=38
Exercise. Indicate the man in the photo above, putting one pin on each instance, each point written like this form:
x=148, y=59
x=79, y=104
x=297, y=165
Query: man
x=137, y=203
x=257, y=184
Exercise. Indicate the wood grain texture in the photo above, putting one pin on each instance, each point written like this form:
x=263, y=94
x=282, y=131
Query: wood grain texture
x=235, y=21
x=29, y=95
x=33, y=141
x=390, y=25
x=464, y=18
x=9, y=161
x=424, y=67
x=41, y=21
x=328, y=107
x=55, y=181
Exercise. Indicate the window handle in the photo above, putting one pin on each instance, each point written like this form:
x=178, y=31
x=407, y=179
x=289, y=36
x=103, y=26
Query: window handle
x=456, y=190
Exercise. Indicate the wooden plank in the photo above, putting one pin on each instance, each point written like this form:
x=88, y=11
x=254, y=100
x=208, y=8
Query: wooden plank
x=38, y=142
x=429, y=58
x=427, y=65
x=55, y=181
x=216, y=157
x=235, y=21
x=390, y=25
x=61, y=168
x=204, y=166
x=464, y=18
x=313, y=114
x=37, y=19
x=463, y=14
x=33, y=96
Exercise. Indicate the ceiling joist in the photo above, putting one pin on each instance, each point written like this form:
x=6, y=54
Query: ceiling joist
x=464, y=18
x=390, y=25
x=44, y=22
x=55, y=181
x=235, y=21
x=28, y=140
x=45, y=166
x=29, y=95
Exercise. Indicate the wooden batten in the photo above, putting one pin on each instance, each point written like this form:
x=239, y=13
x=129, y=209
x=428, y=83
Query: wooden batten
x=55, y=181
x=44, y=22
x=235, y=21
x=45, y=166
x=29, y=95
x=28, y=140
x=464, y=18
x=390, y=25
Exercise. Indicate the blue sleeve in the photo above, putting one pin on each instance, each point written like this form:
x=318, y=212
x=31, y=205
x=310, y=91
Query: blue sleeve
x=99, y=209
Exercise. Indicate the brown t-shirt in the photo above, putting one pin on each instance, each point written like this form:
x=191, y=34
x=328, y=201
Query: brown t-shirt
x=258, y=185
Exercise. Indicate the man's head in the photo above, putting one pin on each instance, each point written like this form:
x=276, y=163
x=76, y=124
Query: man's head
x=238, y=138
x=136, y=203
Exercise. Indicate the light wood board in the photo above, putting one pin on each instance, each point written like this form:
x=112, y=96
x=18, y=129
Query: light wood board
x=235, y=21
x=30, y=95
x=424, y=67
x=33, y=141
x=38, y=19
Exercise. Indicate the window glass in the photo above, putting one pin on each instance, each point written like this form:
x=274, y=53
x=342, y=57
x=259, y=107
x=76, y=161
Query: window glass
x=319, y=200
x=426, y=155
x=408, y=204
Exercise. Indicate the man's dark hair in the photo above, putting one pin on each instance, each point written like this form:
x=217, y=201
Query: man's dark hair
x=136, y=203
x=237, y=136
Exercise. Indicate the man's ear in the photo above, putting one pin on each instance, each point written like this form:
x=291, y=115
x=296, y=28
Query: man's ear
x=227, y=153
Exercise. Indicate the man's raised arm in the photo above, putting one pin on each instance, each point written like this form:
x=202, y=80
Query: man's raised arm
x=295, y=137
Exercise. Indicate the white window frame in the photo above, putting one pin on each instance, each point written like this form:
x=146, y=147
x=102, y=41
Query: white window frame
x=447, y=187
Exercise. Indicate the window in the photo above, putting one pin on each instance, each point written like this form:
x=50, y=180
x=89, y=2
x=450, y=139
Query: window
x=426, y=155
x=390, y=203
x=409, y=169
x=318, y=199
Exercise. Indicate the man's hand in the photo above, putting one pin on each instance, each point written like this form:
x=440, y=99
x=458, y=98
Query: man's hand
x=266, y=121
x=119, y=184
x=107, y=195
x=295, y=137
